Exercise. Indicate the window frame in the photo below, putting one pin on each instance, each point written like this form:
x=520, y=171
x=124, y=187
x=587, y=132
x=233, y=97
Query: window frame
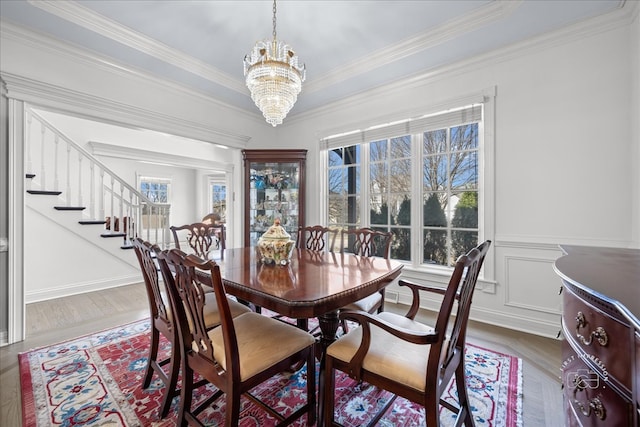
x=486, y=174
x=143, y=178
x=220, y=181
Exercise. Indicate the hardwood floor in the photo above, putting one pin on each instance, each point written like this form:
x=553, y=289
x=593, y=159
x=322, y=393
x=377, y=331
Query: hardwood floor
x=60, y=319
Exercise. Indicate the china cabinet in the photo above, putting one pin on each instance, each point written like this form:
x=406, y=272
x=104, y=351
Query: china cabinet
x=274, y=183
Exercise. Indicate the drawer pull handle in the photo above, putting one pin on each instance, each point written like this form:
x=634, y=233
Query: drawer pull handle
x=595, y=405
x=599, y=334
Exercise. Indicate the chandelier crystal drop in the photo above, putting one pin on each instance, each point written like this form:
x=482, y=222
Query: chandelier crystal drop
x=274, y=77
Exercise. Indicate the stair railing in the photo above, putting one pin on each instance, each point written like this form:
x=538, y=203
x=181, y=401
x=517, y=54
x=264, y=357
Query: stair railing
x=111, y=200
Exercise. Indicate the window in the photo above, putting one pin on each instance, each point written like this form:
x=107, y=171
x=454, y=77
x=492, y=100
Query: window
x=375, y=175
x=218, y=201
x=157, y=190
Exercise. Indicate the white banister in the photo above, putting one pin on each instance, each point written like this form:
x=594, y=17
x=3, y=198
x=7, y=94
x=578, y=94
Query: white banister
x=127, y=205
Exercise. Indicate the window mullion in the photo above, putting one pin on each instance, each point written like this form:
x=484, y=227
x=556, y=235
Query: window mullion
x=365, y=193
x=417, y=236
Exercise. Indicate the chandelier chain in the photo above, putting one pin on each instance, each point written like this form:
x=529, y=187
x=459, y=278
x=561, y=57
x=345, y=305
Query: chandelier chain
x=274, y=20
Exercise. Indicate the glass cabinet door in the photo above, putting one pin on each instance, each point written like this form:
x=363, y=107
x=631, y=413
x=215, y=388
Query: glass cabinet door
x=274, y=189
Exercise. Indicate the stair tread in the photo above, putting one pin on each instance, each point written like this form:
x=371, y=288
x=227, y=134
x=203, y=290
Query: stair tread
x=116, y=234
x=69, y=208
x=91, y=221
x=45, y=192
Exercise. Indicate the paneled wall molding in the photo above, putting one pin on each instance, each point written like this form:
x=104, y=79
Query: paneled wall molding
x=79, y=288
x=441, y=279
x=96, y=108
x=118, y=151
x=551, y=242
x=510, y=301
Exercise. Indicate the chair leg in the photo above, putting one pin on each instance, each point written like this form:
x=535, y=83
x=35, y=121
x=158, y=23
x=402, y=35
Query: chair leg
x=232, y=409
x=186, y=394
x=170, y=389
x=329, y=397
x=463, y=398
x=153, y=356
x=432, y=410
x=311, y=387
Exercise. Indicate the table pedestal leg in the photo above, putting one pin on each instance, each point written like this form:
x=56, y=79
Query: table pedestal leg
x=329, y=323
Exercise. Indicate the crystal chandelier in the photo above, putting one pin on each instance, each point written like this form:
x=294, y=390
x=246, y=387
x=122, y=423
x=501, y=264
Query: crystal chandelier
x=274, y=76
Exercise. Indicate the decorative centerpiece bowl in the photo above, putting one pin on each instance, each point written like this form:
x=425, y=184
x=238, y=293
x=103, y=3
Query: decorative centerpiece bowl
x=275, y=245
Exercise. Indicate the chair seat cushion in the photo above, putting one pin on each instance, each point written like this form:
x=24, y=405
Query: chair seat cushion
x=388, y=356
x=365, y=304
x=211, y=313
x=262, y=342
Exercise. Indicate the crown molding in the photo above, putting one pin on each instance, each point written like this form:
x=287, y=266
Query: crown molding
x=79, y=55
x=120, y=152
x=84, y=17
x=493, y=11
x=97, y=108
x=621, y=16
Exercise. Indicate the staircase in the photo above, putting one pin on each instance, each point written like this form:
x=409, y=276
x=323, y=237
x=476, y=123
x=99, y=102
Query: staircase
x=69, y=188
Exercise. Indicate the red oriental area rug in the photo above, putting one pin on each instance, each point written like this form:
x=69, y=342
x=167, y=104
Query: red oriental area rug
x=97, y=380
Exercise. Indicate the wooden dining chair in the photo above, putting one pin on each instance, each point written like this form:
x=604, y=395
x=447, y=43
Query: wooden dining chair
x=408, y=358
x=316, y=238
x=163, y=321
x=202, y=238
x=366, y=242
x=237, y=356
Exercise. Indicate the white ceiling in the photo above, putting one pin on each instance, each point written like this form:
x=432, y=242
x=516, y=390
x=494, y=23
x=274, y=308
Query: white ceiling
x=348, y=46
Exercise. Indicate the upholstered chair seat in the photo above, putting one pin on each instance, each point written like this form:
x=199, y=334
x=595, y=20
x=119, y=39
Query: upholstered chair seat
x=256, y=338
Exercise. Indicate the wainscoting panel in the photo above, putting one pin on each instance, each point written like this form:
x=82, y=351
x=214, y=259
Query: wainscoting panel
x=531, y=284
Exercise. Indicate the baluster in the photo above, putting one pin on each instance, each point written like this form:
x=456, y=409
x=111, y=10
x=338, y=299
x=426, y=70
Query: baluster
x=136, y=214
x=131, y=224
x=56, y=178
x=122, y=227
x=92, y=191
x=68, y=192
x=80, y=157
x=42, y=167
x=165, y=229
x=101, y=194
x=157, y=211
x=113, y=195
x=148, y=215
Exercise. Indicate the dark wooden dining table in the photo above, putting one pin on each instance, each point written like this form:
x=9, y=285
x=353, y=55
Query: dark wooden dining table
x=312, y=284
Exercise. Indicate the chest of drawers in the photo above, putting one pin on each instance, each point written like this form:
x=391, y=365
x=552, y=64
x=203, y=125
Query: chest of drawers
x=601, y=350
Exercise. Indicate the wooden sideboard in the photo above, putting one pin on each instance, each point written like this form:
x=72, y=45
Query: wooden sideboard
x=601, y=327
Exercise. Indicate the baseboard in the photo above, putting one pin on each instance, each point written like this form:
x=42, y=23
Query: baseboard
x=4, y=338
x=80, y=288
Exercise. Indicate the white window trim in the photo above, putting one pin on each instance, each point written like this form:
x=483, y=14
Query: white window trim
x=486, y=183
